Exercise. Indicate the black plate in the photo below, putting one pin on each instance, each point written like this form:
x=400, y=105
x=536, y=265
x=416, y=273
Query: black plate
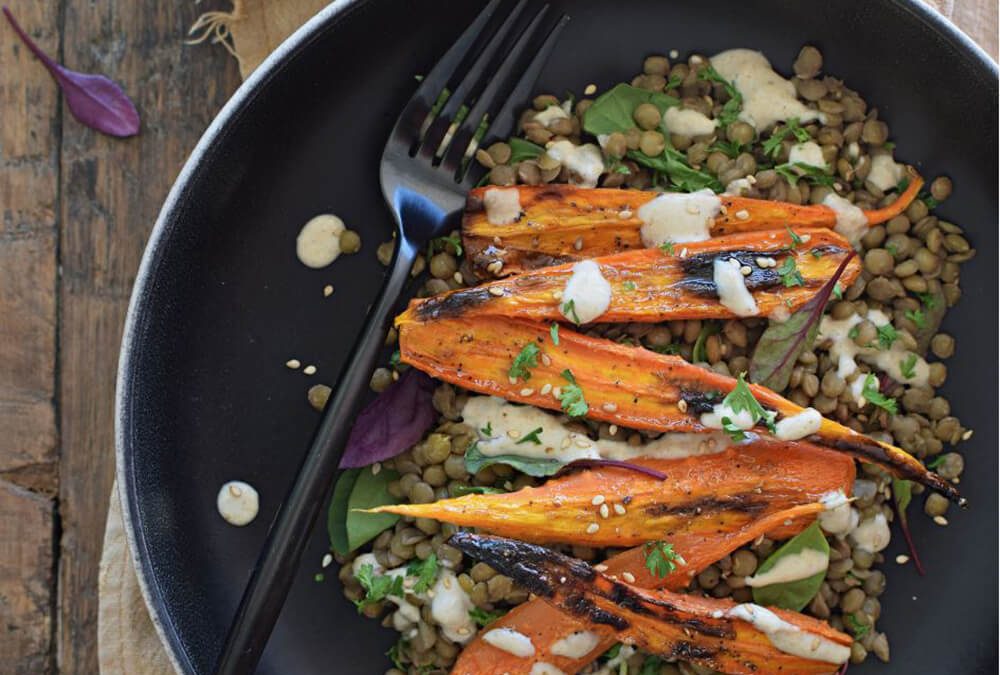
x=221, y=301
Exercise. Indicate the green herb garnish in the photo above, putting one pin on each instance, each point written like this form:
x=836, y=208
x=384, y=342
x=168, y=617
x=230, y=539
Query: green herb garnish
x=886, y=336
x=487, y=430
x=569, y=311
x=928, y=300
x=482, y=618
x=731, y=109
x=672, y=348
x=554, y=334
x=936, y=462
x=571, y=397
x=908, y=366
x=789, y=273
x=793, y=171
x=892, y=249
x=917, y=317
x=854, y=332
x=425, y=571
x=796, y=239
x=531, y=437
x=741, y=399
x=629, y=286
x=442, y=244
x=523, y=362
x=667, y=247
x=857, y=628
x=793, y=595
x=838, y=291
x=377, y=587
x=661, y=559
x=698, y=353
x=871, y=393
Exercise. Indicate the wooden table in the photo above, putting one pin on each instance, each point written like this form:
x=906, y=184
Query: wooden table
x=76, y=210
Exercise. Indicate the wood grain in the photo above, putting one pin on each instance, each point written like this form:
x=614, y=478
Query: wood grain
x=111, y=193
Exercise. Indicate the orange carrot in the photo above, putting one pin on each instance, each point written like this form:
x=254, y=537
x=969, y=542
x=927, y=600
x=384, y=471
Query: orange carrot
x=649, y=285
x=623, y=385
x=715, y=633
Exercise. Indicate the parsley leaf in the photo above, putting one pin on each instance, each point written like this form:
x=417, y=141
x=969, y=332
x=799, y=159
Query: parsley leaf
x=377, y=587
x=928, y=300
x=854, y=332
x=425, y=571
x=741, y=399
x=789, y=273
x=907, y=366
x=531, y=437
x=629, y=286
x=482, y=618
x=394, y=359
x=554, y=334
x=442, y=244
x=651, y=666
x=936, y=462
x=674, y=81
x=661, y=559
x=395, y=656
x=772, y=146
x=886, y=336
x=859, y=629
x=569, y=311
x=571, y=397
x=734, y=431
x=528, y=358
x=731, y=109
x=838, y=291
x=793, y=171
x=667, y=247
x=487, y=430
x=730, y=149
x=672, y=348
x=892, y=249
x=796, y=239
x=871, y=393
x=917, y=317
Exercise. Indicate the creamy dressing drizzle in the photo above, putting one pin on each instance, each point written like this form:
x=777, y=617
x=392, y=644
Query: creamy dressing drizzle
x=843, y=351
x=559, y=443
x=767, y=96
x=551, y=114
x=852, y=222
x=713, y=420
x=872, y=534
x=585, y=162
x=731, y=286
x=503, y=207
x=800, y=425
x=801, y=565
x=678, y=217
x=318, y=243
x=885, y=172
x=510, y=641
x=789, y=638
x=807, y=153
x=576, y=645
x=589, y=292
x=688, y=122
x=238, y=503
x=738, y=187
x=542, y=668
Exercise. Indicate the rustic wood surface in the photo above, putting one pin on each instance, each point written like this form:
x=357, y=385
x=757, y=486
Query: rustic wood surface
x=76, y=210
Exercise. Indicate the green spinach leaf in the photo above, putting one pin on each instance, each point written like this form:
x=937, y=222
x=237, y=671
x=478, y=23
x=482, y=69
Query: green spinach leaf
x=794, y=595
x=355, y=490
x=612, y=110
x=533, y=466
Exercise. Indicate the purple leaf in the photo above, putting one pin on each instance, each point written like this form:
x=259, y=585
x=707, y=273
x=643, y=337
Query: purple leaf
x=638, y=468
x=94, y=100
x=393, y=422
x=781, y=344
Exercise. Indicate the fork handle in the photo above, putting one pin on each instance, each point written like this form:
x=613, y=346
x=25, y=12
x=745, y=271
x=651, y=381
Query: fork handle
x=278, y=563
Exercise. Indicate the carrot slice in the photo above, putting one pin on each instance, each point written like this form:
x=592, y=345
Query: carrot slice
x=624, y=385
x=716, y=633
x=700, y=495
x=547, y=625
x=563, y=223
x=649, y=285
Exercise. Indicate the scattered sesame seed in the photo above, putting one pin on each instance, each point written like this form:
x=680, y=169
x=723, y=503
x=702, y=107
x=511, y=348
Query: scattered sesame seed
x=463, y=631
x=625, y=214
x=598, y=500
x=601, y=567
x=763, y=262
x=746, y=270
x=578, y=244
x=376, y=467
x=619, y=509
x=723, y=210
x=235, y=491
x=512, y=380
x=497, y=241
x=590, y=90
x=294, y=364
x=508, y=486
x=684, y=252
x=742, y=214
x=609, y=407
x=583, y=443
x=673, y=54
x=546, y=388
x=496, y=291
x=967, y=435
x=546, y=361
x=495, y=267
x=514, y=433
x=527, y=391
x=605, y=512
x=941, y=520
x=557, y=295
x=902, y=559
x=457, y=277
x=805, y=238
x=629, y=577
x=395, y=375
x=327, y=560
x=566, y=442
x=613, y=430
x=327, y=291
x=309, y=370
x=692, y=209
x=556, y=392
x=682, y=405
x=593, y=528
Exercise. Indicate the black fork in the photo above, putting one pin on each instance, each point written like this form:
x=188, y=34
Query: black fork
x=425, y=176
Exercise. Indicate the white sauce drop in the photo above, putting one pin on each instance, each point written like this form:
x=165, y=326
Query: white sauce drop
x=407, y=614
x=557, y=442
x=688, y=122
x=851, y=221
x=872, y=534
x=550, y=114
x=731, y=287
x=789, y=638
x=885, y=172
x=678, y=217
x=450, y=608
x=503, y=207
x=767, y=96
x=801, y=565
x=576, y=645
x=738, y=187
x=238, y=503
x=585, y=162
x=713, y=420
x=839, y=520
x=798, y=426
x=589, y=292
x=510, y=641
x=843, y=351
x=807, y=153
x=542, y=668
x=318, y=243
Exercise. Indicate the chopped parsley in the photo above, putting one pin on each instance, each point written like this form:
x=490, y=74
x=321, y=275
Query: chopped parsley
x=569, y=311
x=789, y=273
x=816, y=253
x=917, y=317
x=651, y=666
x=523, y=362
x=838, y=291
x=482, y=618
x=796, y=239
x=395, y=656
x=734, y=431
x=661, y=559
x=871, y=393
x=425, y=571
x=667, y=247
x=571, y=397
x=672, y=348
x=377, y=587
x=793, y=171
x=394, y=359
x=531, y=437
x=629, y=286
x=554, y=334
x=730, y=149
x=854, y=332
x=929, y=201
x=731, y=109
x=772, y=146
x=908, y=366
x=936, y=462
x=698, y=353
x=741, y=399
x=674, y=81
x=442, y=244
x=487, y=430
x=928, y=300
x=886, y=336
x=859, y=629
x=892, y=249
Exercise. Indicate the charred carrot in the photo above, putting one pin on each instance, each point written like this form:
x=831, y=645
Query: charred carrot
x=619, y=384
x=562, y=223
x=650, y=285
x=743, y=639
x=548, y=627
x=699, y=495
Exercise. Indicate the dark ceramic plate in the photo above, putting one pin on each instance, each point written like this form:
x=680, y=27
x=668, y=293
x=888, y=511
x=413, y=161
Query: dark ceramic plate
x=221, y=301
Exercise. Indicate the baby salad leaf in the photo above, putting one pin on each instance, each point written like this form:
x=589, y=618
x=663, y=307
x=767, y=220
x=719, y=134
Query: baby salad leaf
x=782, y=343
x=794, y=595
x=674, y=166
x=902, y=494
x=698, y=352
x=533, y=466
x=359, y=489
x=731, y=109
x=612, y=110
x=521, y=150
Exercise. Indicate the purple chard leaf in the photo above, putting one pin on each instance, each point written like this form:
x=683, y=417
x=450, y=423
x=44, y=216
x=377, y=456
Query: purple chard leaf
x=393, y=422
x=94, y=100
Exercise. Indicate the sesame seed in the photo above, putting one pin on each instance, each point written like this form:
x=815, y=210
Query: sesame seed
x=746, y=270
x=395, y=375
x=566, y=442
x=805, y=238
x=235, y=491
x=446, y=582
x=625, y=214
x=674, y=53
x=967, y=435
x=512, y=380
x=941, y=520
x=546, y=361
x=327, y=560
x=613, y=430
x=593, y=528
x=497, y=241
x=723, y=210
x=327, y=291
x=495, y=267
x=629, y=577
x=457, y=277
x=578, y=244
x=557, y=392
x=376, y=467
x=508, y=486
x=619, y=509
x=546, y=388
x=590, y=89
x=684, y=252
x=496, y=291
x=598, y=500
x=692, y=209
x=583, y=443
x=609, y=407
x=605, y=512
x=463, y=631
x=557, y=295
x=902, y=559
x=527, y=391
x=742, y=214
x=682, y=405
x=294, y=364
x=601, y=567
x=514, y=433
x=309, y=370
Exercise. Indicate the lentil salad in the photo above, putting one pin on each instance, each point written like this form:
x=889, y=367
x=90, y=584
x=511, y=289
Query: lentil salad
x=910, y=274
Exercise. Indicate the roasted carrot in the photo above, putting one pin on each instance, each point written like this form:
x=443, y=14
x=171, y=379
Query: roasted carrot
x=547, y=625
x=649, y=285
x=702, y=494
x=741, y=639
x=629, y=386
x=563, y=223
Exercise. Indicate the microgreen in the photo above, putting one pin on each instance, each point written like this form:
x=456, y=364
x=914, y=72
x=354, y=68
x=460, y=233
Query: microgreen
x=908, y=366
x=531, y=437
x=482, y=618
x=741, y=399
x=789, y=273
x=917, y=317
x=569, y=311
x=425, y=571
x=870, y=392
x=377, y=587
x=571, y=398
x=667, y=247
x=887, y=334
x=523, y=362
x=554, y=334
x=661, y=558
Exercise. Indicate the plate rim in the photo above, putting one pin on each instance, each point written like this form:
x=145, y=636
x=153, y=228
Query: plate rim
x=131, y=348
